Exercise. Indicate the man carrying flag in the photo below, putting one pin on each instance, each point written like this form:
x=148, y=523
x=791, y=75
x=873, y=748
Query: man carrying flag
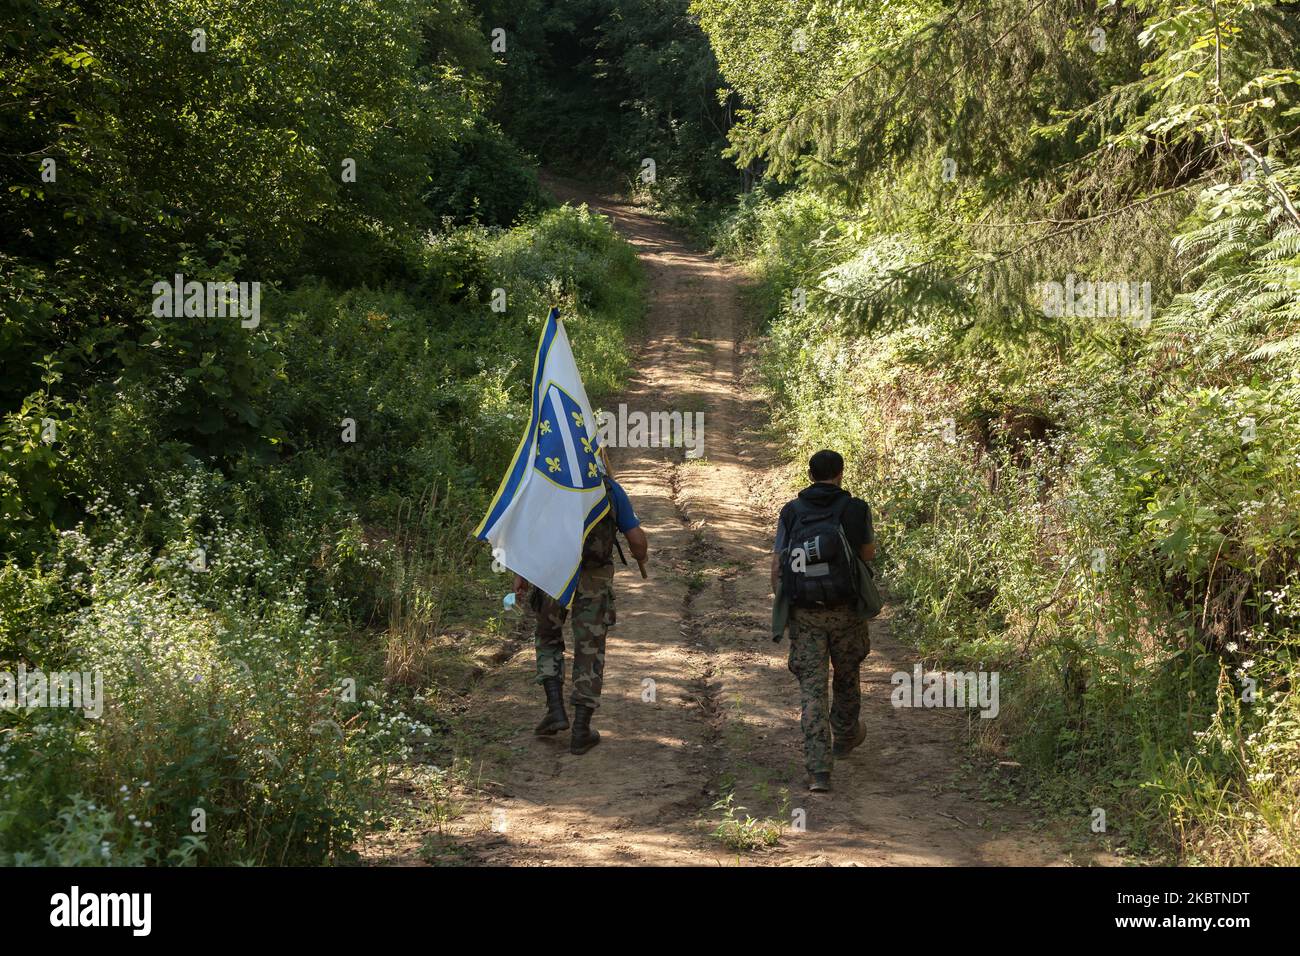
x=553, y=522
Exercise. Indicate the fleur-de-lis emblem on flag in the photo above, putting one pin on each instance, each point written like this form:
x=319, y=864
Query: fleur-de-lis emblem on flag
x=566, y=453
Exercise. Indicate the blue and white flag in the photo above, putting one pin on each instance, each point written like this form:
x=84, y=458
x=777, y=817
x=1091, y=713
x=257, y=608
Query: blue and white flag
x=553, y=493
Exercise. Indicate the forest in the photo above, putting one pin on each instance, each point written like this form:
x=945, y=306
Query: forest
x=1032, y=267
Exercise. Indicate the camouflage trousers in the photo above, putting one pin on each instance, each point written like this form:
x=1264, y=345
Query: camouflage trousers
x=592, y=615
x=821, y=639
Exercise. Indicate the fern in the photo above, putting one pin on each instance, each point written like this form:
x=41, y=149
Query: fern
x=1244, y=253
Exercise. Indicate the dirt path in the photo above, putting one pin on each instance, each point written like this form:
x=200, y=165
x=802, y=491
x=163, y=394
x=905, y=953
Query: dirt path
x=725, y=712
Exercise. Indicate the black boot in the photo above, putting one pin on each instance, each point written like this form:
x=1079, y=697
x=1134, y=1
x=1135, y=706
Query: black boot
x=556, y=719
x=584, y=738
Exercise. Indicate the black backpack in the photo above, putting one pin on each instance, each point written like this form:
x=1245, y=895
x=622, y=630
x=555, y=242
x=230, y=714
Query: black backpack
x=818, y=567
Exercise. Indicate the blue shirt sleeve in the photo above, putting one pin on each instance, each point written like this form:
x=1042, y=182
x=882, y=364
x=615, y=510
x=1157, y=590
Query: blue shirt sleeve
x=624, y=516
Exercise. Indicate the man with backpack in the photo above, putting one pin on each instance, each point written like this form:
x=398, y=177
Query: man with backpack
x=593, y=614
x=819, y=574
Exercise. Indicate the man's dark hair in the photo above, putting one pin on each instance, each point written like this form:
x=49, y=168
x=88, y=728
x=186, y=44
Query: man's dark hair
x=825, y=465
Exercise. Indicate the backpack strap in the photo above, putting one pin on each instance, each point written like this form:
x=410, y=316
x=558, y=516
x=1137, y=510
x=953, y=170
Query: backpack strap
x=609, y=496
x=840, y=507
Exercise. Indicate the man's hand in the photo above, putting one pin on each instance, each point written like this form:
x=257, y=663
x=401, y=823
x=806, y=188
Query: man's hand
x=521, y=590
x=636, y=541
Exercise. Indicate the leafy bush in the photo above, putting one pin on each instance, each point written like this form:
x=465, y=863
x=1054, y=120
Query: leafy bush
x=1101, y=506
x=226, y=599
x=224, y=707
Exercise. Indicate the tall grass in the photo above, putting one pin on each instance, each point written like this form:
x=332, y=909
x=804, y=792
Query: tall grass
x=258, y=699
x=1106, y=535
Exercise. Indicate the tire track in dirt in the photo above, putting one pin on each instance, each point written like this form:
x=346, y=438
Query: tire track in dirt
x=725, y=710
